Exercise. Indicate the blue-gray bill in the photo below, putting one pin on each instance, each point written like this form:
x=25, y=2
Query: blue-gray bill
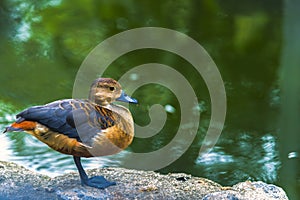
x=125, y=98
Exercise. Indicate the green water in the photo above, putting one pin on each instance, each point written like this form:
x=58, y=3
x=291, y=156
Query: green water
x=44, y=43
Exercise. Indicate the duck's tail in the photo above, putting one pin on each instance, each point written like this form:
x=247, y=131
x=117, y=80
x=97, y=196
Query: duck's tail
x=20, y=126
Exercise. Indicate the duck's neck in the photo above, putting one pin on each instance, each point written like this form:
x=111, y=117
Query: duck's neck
x=100, y=102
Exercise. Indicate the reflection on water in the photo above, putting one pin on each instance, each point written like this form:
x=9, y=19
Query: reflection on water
x=249, y=159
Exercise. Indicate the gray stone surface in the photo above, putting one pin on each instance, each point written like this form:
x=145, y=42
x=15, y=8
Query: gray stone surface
x=16, y=182
x=249, y=190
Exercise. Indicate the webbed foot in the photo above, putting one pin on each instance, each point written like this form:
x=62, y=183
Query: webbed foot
x=98, y=182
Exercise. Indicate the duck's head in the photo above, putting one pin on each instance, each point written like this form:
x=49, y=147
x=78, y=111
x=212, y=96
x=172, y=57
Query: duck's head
x=104, y=91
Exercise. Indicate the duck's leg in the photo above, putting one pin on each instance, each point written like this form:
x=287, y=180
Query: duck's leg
x=96, y=181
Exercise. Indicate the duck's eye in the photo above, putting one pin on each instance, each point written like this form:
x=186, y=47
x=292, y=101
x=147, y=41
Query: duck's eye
x=112, y=88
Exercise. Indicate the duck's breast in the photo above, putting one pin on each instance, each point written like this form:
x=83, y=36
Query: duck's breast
x=117, y=135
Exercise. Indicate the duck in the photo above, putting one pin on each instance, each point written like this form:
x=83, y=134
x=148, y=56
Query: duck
x=91, y=127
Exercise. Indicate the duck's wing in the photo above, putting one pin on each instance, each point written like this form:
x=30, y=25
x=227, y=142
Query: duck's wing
x=68, y=116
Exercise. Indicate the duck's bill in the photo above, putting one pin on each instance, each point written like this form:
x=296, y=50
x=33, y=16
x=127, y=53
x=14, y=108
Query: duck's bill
x=125, y=98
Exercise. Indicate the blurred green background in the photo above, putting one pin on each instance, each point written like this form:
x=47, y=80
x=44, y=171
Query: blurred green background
x=44, y=42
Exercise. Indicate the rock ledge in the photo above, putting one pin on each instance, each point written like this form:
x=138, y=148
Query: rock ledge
x=16, y=182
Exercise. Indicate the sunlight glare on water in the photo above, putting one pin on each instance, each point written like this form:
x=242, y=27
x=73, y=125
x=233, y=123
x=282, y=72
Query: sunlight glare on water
x=6, y=153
